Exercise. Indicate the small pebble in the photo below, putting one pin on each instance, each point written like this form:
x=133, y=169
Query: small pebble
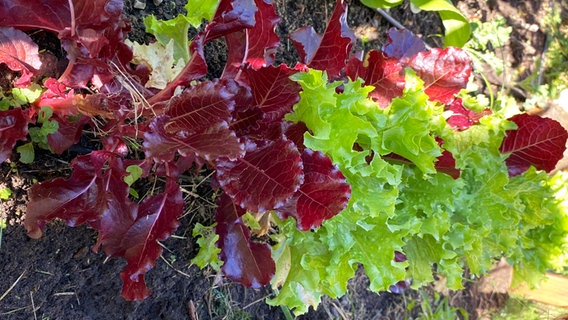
x=158, y=2
x=140, y=4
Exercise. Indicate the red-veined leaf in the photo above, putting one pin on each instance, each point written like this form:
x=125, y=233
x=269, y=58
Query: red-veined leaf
x=210, y=143
x=385, y=74
x=244, y=261
x=19, y=53
x=273, y=91
x=329, y=52
x=463, y=118
x=538, y=141
x=13, y=127
x=79, y=199
x=444, y=71
x=323, y=194
x=265, y=178
x=68, y=133
x=201, y=106
x=231, y=16
x=255, y=46
x=156, y=221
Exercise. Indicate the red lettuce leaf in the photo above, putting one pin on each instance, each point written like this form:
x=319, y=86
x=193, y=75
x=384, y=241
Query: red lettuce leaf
x=68, y=134
x=255, y=46
x=211, y=143
x=330, y=52
x=201, y=106
x=265, y=178
x=444, y=71
x=19, y=53
x=79, y=199
x=538, y=141
x=273, y=91
x=231, y=16
x=245, y=261
x=156, y=220
x=295, y=133
x=323, y=194
x=53, y=15
x=13, y=127
x=447, y=164
x=403, y=44
x=384, y=73
x=463, y=118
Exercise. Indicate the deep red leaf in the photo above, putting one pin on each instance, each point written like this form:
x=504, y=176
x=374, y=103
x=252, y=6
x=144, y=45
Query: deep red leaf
x=79, y=199
x=385, y=74
x=403, y=44
x=538, y=142
x=53, y=15
x=447, y=164
x=201, y=106
x=245, y=261
x=231, y=16
x=444, y=71
x=68, y=134
x=463, y=118
x=331, y=52
x=13, y=127
x=295, y=133
x=255, y=46
x=273, y=91
x=213, y=142
x=265, y=178
x=19, y=53
x=156, y=220
x=262, y=38
x=323, y=194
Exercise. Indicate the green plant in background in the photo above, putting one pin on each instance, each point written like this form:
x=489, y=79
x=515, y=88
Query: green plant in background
x=176, y=29
x=457, y=29
x=485, y=38
x=550, y=77
x=438, y=308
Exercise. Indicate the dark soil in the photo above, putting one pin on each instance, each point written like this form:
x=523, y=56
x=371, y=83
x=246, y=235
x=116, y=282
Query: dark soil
x=60, y=277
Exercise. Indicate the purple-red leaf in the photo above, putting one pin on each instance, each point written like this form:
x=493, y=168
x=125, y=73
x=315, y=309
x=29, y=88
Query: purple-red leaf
x=210, y=143
x=273, y=91
x=538, y=141
x=19, y=53
x=330, y=52
x=68, y=133
x=384, y=73
x=79, y=199
x=255, y=46
x=403, y=44
x=13, y=127
x=53, y=15
x=323, y=194
x=201, y=107
x=265, y=178
x=447, y=164
x=156, y=220
x=231, y=16
x=463, y=118
x=444, y=71
x=245, y=261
